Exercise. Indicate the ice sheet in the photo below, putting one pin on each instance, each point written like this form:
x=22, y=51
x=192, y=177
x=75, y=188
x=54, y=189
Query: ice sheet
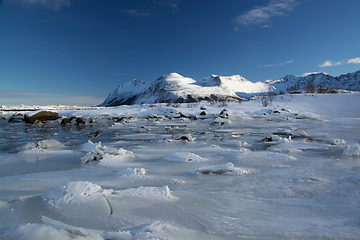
x=287, y=171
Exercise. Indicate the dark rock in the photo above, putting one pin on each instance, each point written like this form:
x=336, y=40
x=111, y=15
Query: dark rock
x=223, y=111
x=267, y=139
x=80, y=121
x=121, y=119
x=16, y=118
x=183, y=115
x=41, y=116
x=154, y=116
x=203, y=113
x=65, y=121
x=224, y=114
x=202, y=108
x=185, y=138
x=193, y=117
x=95, y=134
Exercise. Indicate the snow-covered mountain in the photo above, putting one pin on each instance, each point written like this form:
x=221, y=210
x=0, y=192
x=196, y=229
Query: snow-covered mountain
x=178, y=89
x=175, y=88
x=125, y=94
x=291, y=83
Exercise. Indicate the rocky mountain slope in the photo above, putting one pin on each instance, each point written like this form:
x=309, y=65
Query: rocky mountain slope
x=291, y=83
x=175, y=88
x=178, y=89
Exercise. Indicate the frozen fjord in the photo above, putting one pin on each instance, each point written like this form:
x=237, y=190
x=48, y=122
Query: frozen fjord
x=289, y=170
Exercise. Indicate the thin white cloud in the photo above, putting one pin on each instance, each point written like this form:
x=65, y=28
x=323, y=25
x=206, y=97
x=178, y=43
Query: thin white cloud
x=52, y=4
x=330, y=63
x=137, y=13
x=276, y=64
x=260, y=16
x=354, y=60
x=173, y=4
x=10, y=98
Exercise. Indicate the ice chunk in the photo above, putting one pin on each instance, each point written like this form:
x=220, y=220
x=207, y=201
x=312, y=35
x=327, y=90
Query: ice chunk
x=56, y=230
x=50, y=143
x=90, y=146
x=27, y=146
x=352, y=150
x=213, y=148
x=73, y=192
x=237, y=152
x=132, y=172
x=156, y=193
x=44, y=144
x=155, y=229
x=122, y=152
x=108, y=160
x=44, y=232
x=185, y=157
x=82, y=201
x=338, y=141
x=277, y=139
x=95, y=155
x=97, y=152
x=227, y=168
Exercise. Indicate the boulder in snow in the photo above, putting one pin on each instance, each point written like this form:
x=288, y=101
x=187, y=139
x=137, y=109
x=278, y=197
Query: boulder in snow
x=41, y=116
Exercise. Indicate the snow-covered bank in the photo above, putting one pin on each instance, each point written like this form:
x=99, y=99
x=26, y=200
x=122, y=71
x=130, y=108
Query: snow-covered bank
x=194, y=171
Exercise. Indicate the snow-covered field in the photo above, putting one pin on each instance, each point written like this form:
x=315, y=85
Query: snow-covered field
x=290, y=170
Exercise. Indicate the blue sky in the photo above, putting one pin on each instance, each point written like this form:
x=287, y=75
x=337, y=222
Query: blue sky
x=75, y=52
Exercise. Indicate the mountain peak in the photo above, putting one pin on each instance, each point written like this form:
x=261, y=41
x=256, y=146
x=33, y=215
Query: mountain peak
x=177, y=88
x=175, y=77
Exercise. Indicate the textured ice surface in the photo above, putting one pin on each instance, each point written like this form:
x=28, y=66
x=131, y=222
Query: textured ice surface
x=185, y=157
x=287, y=171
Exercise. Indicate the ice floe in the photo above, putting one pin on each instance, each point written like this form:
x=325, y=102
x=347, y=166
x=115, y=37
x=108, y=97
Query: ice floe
x=155, y=193
x=79, y=192
x=227, y=168
x=300, y=182
x=107, y=156
x=185, y=157
x=43, y=144
x=352, y=150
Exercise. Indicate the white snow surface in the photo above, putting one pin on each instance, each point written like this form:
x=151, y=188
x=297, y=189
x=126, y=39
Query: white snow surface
x=286, y=171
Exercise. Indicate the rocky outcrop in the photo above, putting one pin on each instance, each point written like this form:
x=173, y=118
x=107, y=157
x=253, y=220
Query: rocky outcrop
x=317, y=82
x=40, y=116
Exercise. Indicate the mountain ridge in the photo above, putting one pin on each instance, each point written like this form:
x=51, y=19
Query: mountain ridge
x=175, y=88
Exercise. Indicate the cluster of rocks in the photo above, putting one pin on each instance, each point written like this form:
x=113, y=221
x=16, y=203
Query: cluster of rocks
x=44, y=115
x=69, y=121
x=40, y=116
